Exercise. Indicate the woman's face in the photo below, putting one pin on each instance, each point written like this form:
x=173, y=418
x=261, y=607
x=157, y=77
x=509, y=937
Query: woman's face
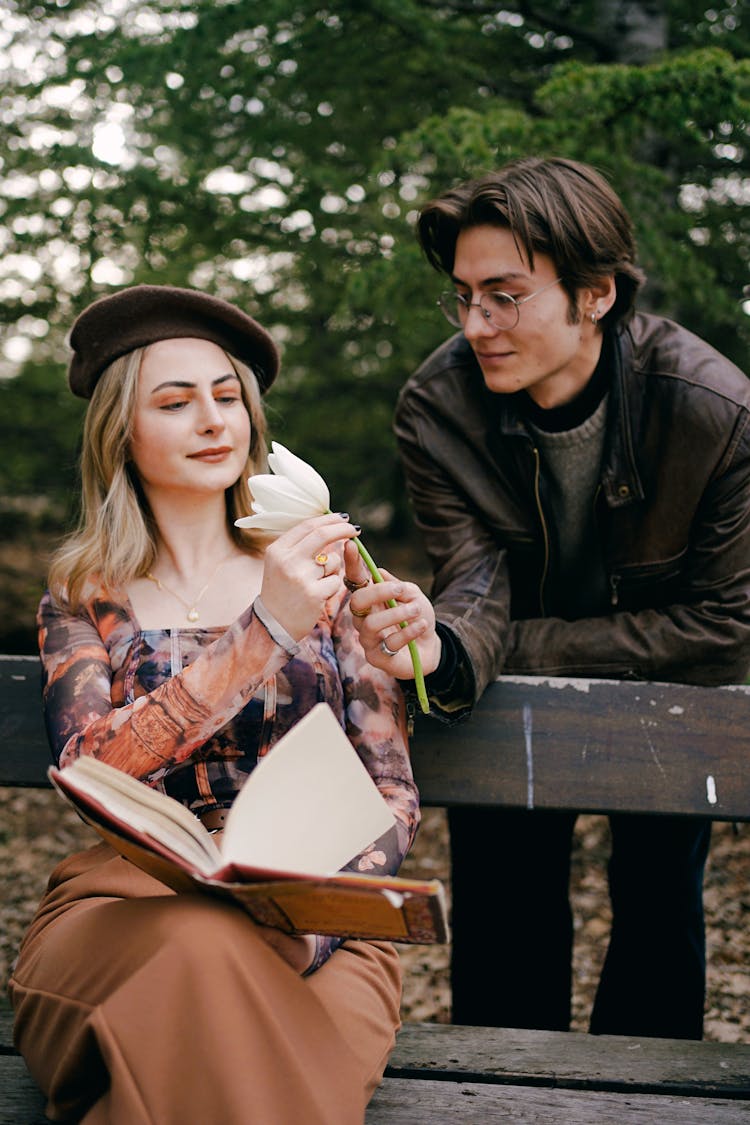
x=191, y=429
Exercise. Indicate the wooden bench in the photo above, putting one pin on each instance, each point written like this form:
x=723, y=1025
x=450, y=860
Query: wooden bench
x=590, y=745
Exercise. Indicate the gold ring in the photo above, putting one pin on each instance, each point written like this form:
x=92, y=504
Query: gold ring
x=321, y=558
x=359, y=612
x=352, y=587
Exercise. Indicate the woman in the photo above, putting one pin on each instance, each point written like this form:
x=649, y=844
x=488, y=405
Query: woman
x=179, y=649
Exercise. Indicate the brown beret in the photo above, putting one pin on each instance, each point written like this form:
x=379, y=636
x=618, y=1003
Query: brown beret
x=143, y=314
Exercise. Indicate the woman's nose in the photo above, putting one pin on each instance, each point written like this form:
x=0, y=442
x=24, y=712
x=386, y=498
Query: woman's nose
x=210, y=417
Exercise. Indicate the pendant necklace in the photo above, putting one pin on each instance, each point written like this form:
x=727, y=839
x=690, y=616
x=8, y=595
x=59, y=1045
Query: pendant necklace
x=192, y=614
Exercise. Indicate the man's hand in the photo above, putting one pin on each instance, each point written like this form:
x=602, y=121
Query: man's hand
x=379, y=626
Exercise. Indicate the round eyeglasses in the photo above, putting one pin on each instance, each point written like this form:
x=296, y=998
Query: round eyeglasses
x=498, y=309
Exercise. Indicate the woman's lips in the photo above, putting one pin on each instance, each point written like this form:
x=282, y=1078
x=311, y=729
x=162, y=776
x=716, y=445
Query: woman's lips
x=217, y=454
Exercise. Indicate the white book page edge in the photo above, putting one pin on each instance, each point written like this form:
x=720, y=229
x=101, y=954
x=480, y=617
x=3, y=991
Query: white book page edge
x=146, y=810
x=309, y=806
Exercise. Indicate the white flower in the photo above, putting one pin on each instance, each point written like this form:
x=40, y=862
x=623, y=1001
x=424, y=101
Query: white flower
x=292, y=492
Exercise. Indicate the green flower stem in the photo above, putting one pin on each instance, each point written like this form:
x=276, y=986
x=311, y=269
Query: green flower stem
x=415, y=658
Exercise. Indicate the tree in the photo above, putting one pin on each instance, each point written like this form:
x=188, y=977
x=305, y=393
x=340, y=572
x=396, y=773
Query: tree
x=276, y=153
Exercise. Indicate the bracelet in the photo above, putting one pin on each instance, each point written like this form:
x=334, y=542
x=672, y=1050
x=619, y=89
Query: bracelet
x=276, y=631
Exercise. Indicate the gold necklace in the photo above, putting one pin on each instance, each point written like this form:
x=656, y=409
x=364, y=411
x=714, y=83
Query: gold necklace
x=191, y=606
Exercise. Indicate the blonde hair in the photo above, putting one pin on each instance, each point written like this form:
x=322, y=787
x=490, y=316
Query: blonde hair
x=115, y=539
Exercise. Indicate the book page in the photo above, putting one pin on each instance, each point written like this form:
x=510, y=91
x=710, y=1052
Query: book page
x=145, y=809
x=309, y=806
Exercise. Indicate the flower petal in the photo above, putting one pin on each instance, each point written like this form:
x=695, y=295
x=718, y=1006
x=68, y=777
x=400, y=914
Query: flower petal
x=291, y=493
x=268, y=521
x=279, y=494
x=285, y=463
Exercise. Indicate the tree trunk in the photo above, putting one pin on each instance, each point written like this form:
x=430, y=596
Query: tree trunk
x=634, y=31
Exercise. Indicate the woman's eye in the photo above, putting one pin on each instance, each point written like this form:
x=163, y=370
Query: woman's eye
x=172, y=406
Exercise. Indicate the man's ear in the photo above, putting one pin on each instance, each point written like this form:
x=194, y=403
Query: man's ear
x=599, y=298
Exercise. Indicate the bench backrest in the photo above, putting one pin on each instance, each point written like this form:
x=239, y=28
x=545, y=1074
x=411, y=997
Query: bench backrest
x=591, y=745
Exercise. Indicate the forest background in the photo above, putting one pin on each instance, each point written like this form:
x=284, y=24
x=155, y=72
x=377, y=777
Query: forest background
x=277, y=154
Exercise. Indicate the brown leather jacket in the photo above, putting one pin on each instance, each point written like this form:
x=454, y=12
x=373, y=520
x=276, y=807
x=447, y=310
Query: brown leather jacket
x=672, y=510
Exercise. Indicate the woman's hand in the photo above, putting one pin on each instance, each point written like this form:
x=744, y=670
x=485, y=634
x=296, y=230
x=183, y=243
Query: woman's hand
x=379, y=625
x=298, y=950
x=302, y=569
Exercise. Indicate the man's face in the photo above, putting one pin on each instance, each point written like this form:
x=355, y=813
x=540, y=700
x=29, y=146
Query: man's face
x=544, y=354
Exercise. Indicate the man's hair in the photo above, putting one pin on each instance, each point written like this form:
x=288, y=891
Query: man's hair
x=556, y=207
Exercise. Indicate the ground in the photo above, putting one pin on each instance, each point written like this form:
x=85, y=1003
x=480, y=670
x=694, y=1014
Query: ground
x=727, y=900
x=37, y=830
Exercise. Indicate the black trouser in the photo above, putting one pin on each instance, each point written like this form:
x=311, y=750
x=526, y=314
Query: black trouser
x=512, y=925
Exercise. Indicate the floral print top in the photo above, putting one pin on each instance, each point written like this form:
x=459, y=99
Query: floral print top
x=191, y=711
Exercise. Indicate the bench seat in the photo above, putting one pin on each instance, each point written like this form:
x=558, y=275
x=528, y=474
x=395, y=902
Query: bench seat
x=440, y=1073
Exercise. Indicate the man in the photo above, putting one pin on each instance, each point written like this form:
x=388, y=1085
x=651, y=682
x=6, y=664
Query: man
x=581, y=476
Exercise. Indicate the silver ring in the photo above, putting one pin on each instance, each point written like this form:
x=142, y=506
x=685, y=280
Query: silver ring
x=387, y=651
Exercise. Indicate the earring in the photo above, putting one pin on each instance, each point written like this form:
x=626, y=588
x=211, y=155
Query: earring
x=594, y=317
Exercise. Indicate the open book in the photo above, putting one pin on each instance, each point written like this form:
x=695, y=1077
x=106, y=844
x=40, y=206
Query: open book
x=306, y=810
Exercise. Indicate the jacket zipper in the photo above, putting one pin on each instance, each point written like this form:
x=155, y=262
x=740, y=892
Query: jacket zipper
x=614, y=579
x=411, y=709
x=537, y=494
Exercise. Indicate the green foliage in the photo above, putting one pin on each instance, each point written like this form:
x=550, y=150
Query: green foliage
x=669, y=135
x=277, y=154
x=39, y=434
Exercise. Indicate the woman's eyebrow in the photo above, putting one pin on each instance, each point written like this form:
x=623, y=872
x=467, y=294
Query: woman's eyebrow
x=187, y=384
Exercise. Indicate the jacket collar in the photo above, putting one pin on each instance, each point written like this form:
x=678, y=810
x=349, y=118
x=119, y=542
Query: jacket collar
x=620, y=479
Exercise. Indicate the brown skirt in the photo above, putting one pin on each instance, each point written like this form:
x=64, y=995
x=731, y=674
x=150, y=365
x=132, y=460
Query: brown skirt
x=135, y=1005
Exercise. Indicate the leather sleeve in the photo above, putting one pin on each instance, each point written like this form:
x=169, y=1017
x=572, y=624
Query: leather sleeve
x=704, y=638
x=470, y=590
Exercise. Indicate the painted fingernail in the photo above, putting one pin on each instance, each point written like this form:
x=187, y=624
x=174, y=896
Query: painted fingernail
x=356, y=527
x=344, y=515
